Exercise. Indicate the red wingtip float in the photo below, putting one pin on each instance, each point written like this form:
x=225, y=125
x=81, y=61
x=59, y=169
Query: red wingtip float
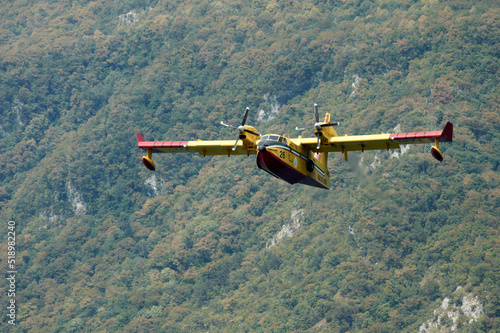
x=296, y=160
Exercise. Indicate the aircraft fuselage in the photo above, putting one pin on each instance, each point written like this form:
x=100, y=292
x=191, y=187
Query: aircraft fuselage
x=285, y=159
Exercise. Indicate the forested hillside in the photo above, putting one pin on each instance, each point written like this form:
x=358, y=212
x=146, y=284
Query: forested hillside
x=399, y=243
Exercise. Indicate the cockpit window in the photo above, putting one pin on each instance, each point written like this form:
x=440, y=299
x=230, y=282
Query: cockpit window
x=273, y=137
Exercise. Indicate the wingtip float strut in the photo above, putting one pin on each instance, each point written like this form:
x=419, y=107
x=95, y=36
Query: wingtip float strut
x=147, y=160
x=446, y=135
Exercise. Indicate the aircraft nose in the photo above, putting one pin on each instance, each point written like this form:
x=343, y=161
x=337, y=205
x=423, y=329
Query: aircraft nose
x=262, y=148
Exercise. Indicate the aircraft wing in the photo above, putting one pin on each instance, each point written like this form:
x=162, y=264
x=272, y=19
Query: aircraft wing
x=203, y=147
x=380, y=141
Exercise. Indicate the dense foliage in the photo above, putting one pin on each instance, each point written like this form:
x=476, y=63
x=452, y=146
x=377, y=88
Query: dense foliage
x=104, y=245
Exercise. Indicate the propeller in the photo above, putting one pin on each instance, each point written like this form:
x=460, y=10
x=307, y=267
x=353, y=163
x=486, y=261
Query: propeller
x=240, y=128
x=317, y=125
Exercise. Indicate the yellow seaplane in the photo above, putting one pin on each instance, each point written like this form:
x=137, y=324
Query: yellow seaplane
x=295, y=160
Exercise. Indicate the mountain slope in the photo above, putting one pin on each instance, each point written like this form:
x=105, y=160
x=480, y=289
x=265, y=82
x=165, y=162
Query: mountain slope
x=102, y=244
